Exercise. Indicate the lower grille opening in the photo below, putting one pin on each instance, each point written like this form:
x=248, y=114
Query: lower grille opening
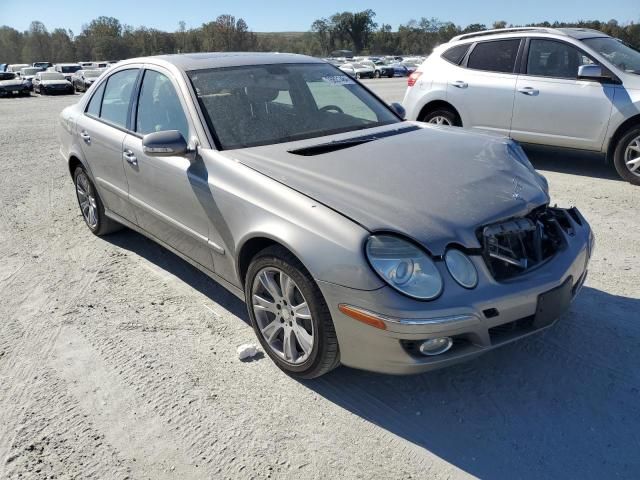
x=513, y=247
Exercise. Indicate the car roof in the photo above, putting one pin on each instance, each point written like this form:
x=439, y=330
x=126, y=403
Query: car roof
x=200, y=61
x=576, y=33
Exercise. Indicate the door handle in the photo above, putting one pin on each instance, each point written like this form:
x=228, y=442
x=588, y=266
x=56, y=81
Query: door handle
x=460, y=84
x=85, y=136
x=529, y=91
x=130, y=157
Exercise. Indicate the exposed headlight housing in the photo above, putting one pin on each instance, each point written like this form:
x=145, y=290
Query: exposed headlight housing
x=461, y=268
x=404, y=266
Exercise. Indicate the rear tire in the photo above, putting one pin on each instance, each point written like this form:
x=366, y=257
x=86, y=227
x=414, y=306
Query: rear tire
x=442, y=116
x=377, y=74
x=626, y=157
x=281, y=315
x=91, y=206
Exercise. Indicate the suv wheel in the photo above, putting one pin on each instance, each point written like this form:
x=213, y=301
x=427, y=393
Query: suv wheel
x=289, y=315
x=91, y=205
x=442, y=116
x=626, y=157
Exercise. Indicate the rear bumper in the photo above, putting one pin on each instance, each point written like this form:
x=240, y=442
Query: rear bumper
x=491, y=315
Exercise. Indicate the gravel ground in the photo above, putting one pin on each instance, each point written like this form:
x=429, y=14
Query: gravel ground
x=117, y=359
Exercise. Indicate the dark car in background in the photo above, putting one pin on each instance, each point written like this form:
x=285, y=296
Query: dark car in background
x=83, y=79
x=12, y=85
x=383, y=70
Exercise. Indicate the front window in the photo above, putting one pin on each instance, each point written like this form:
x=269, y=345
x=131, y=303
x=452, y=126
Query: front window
x=622, y=56
x=549, y=58
x=92, y=73
x=30, y=71
x=267, y=104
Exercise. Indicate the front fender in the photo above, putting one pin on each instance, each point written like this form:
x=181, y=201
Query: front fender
x=248, y=205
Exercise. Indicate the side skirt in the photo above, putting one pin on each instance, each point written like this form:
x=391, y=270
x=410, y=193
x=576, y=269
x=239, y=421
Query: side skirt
x=238, y=292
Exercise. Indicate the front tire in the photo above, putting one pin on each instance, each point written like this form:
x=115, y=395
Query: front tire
x=91, y=205
x=289, y=315
x=626, y=157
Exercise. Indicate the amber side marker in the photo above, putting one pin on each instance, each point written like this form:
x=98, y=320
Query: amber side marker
x=362, y=316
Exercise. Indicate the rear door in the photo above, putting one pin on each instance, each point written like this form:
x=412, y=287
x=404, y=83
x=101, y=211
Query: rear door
x=553, y=107
x=102, y=130
x=170, y=194
x=482, y=89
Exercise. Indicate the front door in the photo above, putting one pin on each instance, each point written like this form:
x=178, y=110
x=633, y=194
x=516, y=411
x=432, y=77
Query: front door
x=553, y=107
x=168, y=193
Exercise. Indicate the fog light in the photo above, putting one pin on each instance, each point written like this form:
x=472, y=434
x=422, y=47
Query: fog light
x=435, y=346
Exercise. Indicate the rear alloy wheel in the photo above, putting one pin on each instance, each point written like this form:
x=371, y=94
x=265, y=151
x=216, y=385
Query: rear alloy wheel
x=357, y=75
x=91, y=205
x=377, y=74
x=442, y=116
x=289, y=315
x=627, y=156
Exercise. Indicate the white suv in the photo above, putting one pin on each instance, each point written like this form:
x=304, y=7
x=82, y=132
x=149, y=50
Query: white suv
x=571, y=87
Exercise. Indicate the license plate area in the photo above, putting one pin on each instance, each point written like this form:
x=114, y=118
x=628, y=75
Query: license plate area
x=553, y=303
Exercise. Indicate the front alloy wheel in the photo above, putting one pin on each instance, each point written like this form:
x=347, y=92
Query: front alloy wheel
x=627, y=156
x=289, y=314
x=282, y=315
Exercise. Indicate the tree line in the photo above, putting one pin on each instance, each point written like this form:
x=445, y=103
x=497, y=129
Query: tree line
x=106, y=38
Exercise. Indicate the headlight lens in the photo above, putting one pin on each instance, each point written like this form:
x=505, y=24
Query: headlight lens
x=404, y=266
x=461, y=268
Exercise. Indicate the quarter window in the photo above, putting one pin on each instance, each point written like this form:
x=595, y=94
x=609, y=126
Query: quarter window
x=554, y=59
x=117, y=96
x=94, y=105
x=495, y=56
x=159, y=108
x=456, y=54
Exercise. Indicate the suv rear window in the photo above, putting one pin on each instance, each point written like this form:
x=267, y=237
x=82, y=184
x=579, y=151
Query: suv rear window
x=495, y=56
x=456, y=54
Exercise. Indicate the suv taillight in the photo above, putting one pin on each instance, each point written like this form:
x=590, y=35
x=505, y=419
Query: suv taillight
x=413, y=78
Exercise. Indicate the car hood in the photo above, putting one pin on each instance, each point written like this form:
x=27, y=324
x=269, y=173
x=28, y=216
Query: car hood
x=11, y=83
x=437, y=185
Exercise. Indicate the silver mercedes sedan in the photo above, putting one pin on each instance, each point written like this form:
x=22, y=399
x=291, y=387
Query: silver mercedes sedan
x=354, y=237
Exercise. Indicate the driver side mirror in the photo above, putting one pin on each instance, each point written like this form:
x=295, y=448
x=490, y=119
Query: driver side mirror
x=591, y=72
x=164, y=144
x=399, y=109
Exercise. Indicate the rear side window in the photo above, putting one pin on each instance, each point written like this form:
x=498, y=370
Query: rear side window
x=117, y=95
x=495, y=56
x=94, y=105
x=456, y=54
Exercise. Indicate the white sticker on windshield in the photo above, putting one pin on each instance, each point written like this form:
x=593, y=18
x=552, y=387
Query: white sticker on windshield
x=337, y=80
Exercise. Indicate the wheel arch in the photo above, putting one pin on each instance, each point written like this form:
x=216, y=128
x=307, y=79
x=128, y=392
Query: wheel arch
x=622, y=129
x=254, y=245
x=436, y=104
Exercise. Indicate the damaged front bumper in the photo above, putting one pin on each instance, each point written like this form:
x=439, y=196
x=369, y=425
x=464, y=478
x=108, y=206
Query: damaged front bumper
x=496, y=312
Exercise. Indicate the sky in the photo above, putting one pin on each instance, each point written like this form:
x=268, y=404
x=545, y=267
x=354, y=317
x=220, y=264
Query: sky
x=287, y=15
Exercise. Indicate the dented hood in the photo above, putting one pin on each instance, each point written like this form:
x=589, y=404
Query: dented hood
x=436, y=185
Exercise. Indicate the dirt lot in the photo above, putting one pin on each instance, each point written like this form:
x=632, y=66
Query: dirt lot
x=118, y=360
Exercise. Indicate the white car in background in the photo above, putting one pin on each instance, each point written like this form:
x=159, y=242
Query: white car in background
x=358, y=70
x=571, y=87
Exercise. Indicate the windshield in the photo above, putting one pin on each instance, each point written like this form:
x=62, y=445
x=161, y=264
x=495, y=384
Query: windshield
x=92, y=73
x=622, y=56
x=267, y=104
x=70, y=68
x=30, y=71
x=7, y=76
x=51, y=76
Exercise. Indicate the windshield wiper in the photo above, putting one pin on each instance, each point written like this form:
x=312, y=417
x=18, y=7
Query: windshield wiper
x=349, y=142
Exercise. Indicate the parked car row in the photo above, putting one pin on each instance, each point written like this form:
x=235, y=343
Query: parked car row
x=570, y=87
x=376, y=67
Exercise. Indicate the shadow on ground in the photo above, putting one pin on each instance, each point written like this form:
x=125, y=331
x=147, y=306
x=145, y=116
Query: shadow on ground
x=573, y=162
x=563, y=404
